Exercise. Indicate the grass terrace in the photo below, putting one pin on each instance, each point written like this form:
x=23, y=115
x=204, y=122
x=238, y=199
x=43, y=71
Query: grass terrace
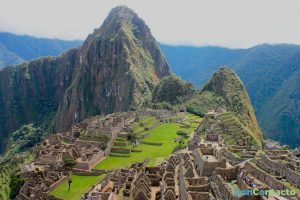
x=164, y=133
x=79, y=186
x=235, y=130
x=144, y=123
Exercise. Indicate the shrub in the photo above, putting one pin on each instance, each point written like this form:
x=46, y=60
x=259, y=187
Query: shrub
x=69, y=163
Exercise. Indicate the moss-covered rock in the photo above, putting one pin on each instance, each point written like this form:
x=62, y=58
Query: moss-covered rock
x=173, y=90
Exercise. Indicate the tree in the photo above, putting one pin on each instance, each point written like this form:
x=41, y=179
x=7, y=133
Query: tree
x=182, y=134
x=132, y=137
x=69, y=182
x=103, y=146
x=15, y=184
x=69, y=163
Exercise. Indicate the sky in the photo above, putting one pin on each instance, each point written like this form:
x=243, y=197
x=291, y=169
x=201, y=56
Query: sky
x=229, y=23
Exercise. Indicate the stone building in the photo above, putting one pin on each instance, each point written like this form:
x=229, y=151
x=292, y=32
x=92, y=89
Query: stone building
x=206, y=161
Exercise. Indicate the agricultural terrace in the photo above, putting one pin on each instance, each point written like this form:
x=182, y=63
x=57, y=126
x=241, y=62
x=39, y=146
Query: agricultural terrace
x=158, y=141
x=158, y=144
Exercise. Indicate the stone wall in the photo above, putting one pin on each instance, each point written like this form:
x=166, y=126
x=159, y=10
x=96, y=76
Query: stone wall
x=229, y=173
x=264, y=177
x=213, y=137
x=207, y=151
x=282, y=170
x=120, y=150
x=84, y=143
x=57, y=183
x=96, y=158
x=182, y=189
x=67, y=140
x=91, y=173
x=223, y=188
x=204, y=167
x=231, y=158
x=88, y=165
x=199, y=195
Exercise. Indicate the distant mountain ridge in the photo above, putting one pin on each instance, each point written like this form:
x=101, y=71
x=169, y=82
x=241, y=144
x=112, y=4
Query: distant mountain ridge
x=265, y=70
x=15, y=49
x=8, y=58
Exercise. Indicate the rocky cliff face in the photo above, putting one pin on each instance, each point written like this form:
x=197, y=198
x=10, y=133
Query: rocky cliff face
x=31, y=92
x=114, y=70
x=120, y=65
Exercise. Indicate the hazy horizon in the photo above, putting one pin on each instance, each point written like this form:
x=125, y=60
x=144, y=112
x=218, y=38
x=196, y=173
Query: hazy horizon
x=230, y=24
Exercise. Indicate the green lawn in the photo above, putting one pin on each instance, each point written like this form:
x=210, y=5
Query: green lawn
x=165, y=133
x=80, y=185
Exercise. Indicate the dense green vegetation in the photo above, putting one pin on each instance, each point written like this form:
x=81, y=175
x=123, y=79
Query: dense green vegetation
x=204, y=102
x=281, y=114
x=15, y=184
x=10, y=182
x=172, y=90
x=79, y=185
x=266, y=71
x=227, y=91
x=22, y=140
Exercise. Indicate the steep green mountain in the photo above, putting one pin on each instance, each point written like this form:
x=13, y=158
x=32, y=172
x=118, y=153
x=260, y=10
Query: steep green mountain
x=264, y=69
x=115, y=69
x=121, y=64
x=173, y=90
x=225, y=89
x=280, y=116
x=29, y=48
x=8, y=58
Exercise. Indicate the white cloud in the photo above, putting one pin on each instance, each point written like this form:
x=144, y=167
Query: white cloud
x=231, y=23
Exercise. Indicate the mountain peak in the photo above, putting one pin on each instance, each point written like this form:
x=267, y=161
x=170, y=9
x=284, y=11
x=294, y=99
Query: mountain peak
x=120, y=63
x=119, y=15
x=121, y=10
x=226, y=83
x=121, y=20
x=221, y=79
